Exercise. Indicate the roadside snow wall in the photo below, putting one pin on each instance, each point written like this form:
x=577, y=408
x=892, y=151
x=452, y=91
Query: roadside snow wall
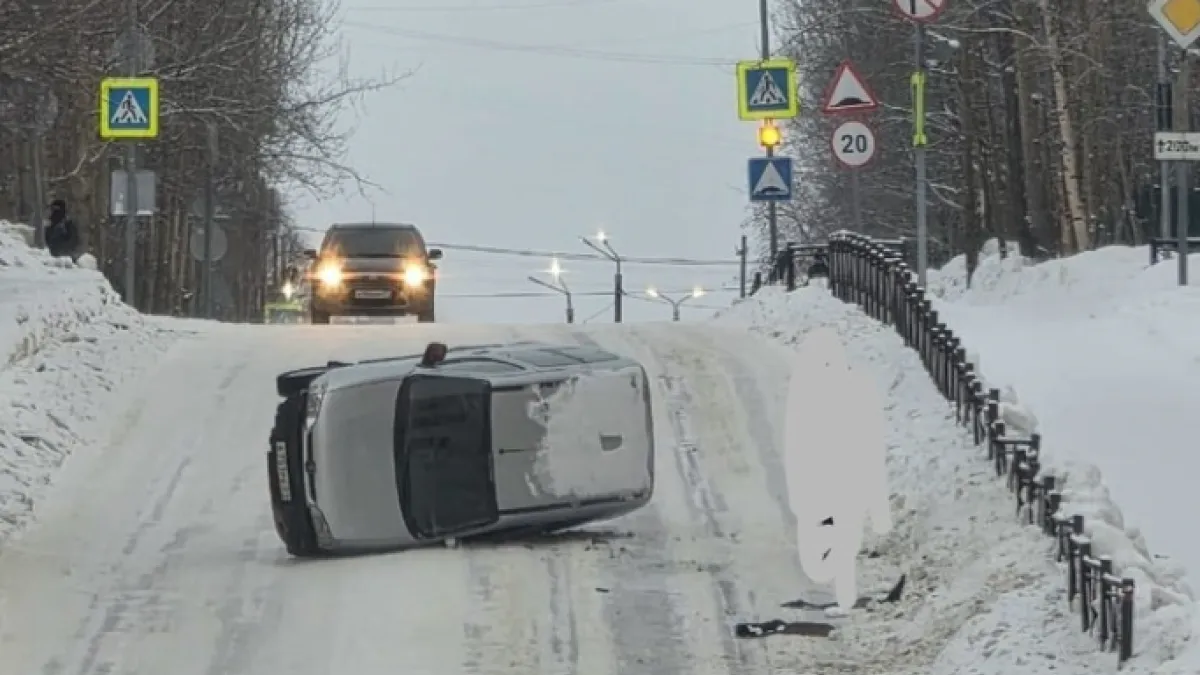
x=66, y=343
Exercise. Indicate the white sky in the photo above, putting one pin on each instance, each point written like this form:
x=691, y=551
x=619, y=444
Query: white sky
x=528, y=123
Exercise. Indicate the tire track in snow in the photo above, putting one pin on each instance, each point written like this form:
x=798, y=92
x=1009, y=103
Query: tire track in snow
x=684, y=554
x=642, y=610
x=130, y=596
x=757, y=567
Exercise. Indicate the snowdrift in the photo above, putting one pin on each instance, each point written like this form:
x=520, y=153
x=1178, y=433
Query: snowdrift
x=988, y=598
x=67, y=341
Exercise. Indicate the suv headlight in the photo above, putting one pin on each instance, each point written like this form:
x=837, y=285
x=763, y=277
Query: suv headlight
x=415, y=275
x=316, y=397
x=330, y=274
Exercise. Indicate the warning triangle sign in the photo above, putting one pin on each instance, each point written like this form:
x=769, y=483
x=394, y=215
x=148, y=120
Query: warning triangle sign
x=771, y=183
x=129, y=111
x=767, y=93
x=848, y=93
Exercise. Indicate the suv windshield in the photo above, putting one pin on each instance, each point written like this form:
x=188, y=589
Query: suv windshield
x=374, y=242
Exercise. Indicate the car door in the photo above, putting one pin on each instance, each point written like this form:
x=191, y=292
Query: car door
x=444, y=472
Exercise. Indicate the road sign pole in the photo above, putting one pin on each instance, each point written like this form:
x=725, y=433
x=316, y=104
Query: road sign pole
x=764, y=38
x=209, y=219
x=1162, y=117
x=919, y=161
x=131, y=196
x=742, y=268
x=1183, y=170
x=856, y=198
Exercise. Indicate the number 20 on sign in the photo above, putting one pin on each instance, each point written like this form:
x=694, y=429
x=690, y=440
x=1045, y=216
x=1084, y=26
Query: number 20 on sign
x=853, y=144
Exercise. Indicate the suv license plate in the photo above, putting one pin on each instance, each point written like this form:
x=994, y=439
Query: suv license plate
x=372, y=295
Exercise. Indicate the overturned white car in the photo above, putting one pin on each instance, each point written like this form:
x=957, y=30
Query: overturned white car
x=455, y=443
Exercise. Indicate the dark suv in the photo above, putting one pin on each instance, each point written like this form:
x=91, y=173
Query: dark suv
x=373, y=269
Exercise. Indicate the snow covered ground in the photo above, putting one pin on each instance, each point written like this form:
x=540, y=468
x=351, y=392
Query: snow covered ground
x=985, y=598
x=152, y=549
x=1106, y=351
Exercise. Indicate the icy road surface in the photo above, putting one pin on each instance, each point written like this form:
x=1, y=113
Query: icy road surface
x=155, y=553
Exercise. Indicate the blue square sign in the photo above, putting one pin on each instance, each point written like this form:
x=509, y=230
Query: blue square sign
x=129, y=108
x=770, y=179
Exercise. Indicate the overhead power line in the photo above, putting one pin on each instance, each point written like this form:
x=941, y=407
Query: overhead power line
x=543, y=4
x=548, y=294
x=585, y=257
x=545, y=50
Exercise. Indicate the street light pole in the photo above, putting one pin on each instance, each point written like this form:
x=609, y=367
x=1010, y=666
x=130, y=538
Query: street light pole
x=556, y=272
x=618, y=283
x=675, y=304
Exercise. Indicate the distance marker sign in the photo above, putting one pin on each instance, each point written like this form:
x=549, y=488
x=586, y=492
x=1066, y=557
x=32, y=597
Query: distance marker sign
x=853, y=144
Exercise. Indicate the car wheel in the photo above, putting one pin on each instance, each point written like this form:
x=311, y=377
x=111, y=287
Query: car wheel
x=293, y=523
x=320, y=317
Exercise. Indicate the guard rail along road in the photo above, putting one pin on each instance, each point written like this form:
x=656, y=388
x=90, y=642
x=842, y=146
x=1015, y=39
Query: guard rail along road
x=875, y=277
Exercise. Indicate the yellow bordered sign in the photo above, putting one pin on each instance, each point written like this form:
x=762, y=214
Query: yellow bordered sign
x=129, y=108
x=767, y=90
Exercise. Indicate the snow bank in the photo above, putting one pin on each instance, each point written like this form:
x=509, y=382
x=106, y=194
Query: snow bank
x=67, y=342
x=985, y=597
x=590, y=435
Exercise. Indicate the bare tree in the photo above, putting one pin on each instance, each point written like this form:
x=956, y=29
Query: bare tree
x=252, y=68
x=1039, y=116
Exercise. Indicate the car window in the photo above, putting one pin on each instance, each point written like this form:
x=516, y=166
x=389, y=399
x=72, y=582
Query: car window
x=367, y=242
x=490, y=366
x=587, y=354
x=545, y=358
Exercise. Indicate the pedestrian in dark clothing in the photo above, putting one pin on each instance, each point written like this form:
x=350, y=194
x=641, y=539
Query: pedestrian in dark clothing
x=783, y=260
x=819, y=267
x=62, y=235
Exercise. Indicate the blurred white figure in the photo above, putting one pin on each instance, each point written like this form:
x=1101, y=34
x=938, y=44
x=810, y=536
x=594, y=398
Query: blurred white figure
x=836, y=462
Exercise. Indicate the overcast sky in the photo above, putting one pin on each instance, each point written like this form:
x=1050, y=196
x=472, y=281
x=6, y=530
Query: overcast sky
x=528, y=123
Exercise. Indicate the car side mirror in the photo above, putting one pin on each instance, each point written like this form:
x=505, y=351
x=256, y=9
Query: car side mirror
x=310, y=253
x=435, y=254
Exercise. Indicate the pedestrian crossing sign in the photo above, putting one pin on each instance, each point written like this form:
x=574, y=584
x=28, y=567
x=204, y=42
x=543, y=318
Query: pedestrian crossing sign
x=767, y=90
x=129, y=108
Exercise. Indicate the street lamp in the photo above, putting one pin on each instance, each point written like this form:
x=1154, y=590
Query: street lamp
x=605, y=249
x=556, y=271
x=675, y=304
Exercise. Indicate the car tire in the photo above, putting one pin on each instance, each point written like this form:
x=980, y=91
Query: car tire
x=293, y=523
x=320, y=317
x=426, y=316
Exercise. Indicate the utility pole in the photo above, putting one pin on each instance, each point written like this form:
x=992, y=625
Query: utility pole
x=132, y=67
x=210, y=189
x=39, y=195
x=1183, y=170
x=618, y=292
x=606, y=249
x=765, y=39
x=742, y=268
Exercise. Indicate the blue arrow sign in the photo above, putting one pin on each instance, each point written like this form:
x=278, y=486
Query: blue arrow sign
x=770, y=179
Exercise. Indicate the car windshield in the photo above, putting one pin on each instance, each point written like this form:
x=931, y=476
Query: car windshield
x=374, y=242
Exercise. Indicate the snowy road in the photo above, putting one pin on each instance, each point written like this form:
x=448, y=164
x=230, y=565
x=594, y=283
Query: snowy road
x=156, y=552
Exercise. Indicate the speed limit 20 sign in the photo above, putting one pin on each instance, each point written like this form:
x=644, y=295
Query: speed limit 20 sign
x=853, y=144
